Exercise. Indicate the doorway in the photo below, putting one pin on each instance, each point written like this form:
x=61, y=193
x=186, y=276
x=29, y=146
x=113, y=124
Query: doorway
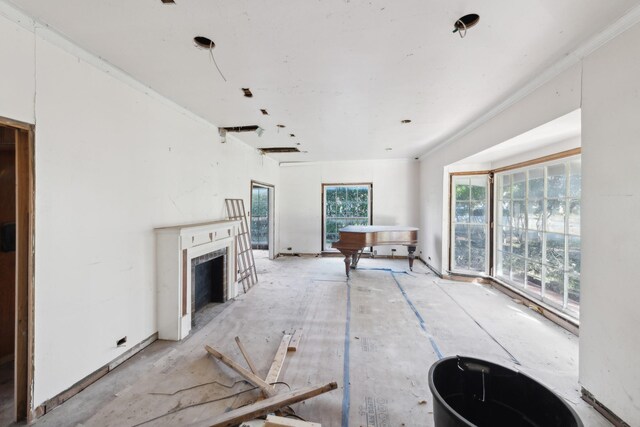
x=262, y=218
x=16, y=270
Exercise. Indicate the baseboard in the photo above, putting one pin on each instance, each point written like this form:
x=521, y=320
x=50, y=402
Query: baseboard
x=60, y=398
x=603, y=410
x=430, y=267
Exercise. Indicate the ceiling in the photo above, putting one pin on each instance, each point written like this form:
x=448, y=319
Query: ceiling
x=339, y=74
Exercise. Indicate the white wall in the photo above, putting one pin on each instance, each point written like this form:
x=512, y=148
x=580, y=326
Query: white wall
x=18, y=70
x=609, y=319
x=554, y=99
x=556, y=147
x=112, y=163
x=609, y=335
x=395, y=201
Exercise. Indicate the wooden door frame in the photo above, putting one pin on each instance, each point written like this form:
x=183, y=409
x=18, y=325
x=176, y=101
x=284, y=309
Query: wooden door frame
x=25, y=261
x=272, y=214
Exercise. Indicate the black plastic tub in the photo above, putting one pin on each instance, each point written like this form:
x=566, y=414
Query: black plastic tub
x=473, y=392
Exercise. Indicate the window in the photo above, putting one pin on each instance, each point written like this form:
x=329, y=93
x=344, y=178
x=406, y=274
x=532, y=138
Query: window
x=470, y=223
x=538, y=231
x=344, y=205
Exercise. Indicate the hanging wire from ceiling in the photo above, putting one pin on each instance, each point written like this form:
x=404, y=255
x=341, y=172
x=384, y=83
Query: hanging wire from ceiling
x=211, y=46
x=461, y=28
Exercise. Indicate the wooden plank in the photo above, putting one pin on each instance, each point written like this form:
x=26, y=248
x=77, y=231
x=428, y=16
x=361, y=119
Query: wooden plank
x=278, y=360
x=252, y=378
x=253, y=368
x=295, y=340
x=276, y=421
x=264, y=407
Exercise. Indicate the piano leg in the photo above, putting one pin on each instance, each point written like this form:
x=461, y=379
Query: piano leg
x=412, y=256
x=347, y=264
x=355, y=258
x=349, y=254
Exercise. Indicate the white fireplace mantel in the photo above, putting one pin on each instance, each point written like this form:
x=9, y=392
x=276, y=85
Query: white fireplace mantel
x=175, y=248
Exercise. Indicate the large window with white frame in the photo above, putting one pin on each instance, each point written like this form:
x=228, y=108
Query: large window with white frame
x=537, y=239
x=470, y=223
x=343, y=205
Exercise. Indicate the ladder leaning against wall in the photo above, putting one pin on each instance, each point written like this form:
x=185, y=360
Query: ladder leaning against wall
x=247, y=274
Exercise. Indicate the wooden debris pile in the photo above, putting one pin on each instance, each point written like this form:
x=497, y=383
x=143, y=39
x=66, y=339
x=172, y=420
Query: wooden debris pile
x=272, y=401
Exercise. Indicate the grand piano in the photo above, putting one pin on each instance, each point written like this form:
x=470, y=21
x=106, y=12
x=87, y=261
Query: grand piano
x=354, y=238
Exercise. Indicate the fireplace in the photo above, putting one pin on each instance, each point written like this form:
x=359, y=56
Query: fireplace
x=208, y=273
x=195, y=265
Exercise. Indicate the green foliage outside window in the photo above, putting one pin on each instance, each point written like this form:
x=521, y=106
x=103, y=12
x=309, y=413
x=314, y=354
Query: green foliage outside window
x=538, y=231
x=344, y=205
x=260, y=218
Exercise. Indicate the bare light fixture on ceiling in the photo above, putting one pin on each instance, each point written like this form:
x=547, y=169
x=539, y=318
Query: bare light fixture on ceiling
x=464, y=23
x=405, y=121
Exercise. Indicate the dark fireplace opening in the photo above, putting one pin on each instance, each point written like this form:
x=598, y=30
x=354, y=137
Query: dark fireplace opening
x=209, y=282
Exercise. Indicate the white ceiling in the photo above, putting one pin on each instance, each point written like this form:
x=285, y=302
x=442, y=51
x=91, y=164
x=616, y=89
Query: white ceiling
x=339, y=74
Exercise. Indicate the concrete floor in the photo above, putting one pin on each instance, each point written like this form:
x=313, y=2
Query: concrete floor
x=399, y=323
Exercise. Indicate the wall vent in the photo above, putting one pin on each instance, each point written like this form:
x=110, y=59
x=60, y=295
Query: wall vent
x=267, y=150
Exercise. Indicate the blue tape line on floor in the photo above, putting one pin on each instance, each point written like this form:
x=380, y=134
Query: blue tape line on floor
x=384, y=269
x=346, y=399
x=423, y=326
